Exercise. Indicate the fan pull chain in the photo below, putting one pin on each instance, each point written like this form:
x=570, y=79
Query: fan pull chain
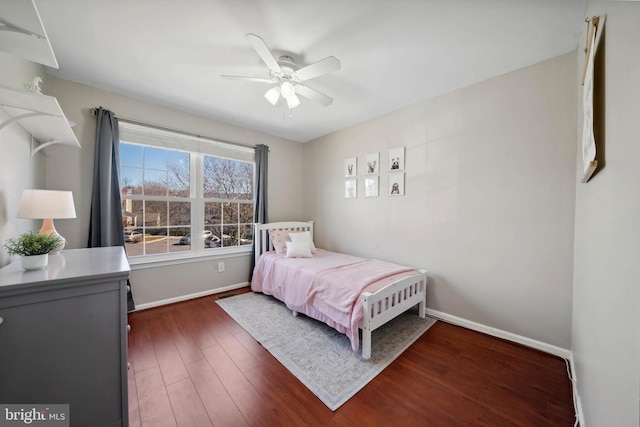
x=284, y=114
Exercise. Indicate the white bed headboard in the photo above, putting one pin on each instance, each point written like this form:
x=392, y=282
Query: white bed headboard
x=261, y=233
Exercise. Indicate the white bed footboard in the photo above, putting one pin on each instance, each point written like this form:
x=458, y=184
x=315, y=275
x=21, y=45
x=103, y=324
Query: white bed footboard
x=380, y=307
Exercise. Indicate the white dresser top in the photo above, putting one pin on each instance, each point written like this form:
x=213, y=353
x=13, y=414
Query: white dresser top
x=68, y=266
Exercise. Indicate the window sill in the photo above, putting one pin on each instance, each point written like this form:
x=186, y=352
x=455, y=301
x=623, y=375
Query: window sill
x=162, y=260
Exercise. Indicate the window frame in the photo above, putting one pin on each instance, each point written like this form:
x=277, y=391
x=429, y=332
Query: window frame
x=197, y=250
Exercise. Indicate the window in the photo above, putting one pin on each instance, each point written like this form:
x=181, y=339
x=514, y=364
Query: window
x=184, y=196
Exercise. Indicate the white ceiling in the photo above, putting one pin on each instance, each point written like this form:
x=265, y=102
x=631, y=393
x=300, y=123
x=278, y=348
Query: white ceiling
x=393, y=53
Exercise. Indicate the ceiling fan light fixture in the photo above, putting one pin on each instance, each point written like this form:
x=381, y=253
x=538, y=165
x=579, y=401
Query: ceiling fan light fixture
x=293, y=101
x=287, y=89
x=273, y=95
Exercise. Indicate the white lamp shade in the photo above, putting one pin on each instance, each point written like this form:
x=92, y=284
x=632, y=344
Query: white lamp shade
x=273, y=95
x=286, y=89
x=41, y=204
x=293, y=101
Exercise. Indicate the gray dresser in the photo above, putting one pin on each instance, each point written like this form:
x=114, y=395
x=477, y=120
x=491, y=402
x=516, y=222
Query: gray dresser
x=63, y=335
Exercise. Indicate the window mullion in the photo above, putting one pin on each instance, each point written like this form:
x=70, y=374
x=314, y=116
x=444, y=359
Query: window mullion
x=197, y=206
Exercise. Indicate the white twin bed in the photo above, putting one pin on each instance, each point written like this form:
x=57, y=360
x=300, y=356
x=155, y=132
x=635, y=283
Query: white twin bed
x=346, y=292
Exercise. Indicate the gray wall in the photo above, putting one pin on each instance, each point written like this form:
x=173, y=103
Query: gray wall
x=18, y=170
x=491, y=184
x=72, y=169
x=489, y=204
x=606, y=309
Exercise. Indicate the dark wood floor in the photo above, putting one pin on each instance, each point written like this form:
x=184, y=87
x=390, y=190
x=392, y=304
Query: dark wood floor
x=192, y=365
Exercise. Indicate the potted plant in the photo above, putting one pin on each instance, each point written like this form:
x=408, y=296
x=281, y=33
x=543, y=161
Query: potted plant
x=34, y=249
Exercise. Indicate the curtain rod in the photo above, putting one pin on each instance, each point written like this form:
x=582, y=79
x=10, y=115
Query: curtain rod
x=94, y=111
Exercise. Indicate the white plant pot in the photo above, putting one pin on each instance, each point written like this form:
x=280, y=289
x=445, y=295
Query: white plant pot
x=35, y=262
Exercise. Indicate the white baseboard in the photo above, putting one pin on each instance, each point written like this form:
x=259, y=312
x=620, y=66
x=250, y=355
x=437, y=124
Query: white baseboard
x=539, y=345
x=577, y=403
x=189, y=296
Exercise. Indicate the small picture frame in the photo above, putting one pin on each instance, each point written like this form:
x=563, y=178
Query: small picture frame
x=371, y=186
x=396, y=184
x=372, y=164
x=350, y=167
x=350, y=189
x=396, y=159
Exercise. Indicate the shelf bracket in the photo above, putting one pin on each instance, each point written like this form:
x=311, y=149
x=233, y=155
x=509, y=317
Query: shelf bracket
x=6, y=26
x=13, y=119
x=37, y=146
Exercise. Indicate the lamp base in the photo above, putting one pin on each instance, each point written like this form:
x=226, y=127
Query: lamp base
x=48, y=228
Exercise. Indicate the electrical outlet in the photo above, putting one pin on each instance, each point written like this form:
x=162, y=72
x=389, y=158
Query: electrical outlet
x=220, y=267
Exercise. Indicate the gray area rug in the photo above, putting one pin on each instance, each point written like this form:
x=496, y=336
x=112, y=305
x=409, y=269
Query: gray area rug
x=320, y=357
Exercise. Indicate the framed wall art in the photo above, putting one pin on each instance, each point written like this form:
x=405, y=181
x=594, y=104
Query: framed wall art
x=371, y=186
x=396, y=184
x=396, y=159
x=372, y=163
x=589, y=161
x=350, y=167
x=350, y=189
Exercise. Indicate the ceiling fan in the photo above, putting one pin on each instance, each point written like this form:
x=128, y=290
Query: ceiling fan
x=287, y=79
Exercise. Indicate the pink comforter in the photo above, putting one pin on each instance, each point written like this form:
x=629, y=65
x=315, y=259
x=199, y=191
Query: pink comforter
x=327, y=287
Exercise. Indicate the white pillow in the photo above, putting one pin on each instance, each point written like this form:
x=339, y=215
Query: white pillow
x=279, y=238
x=304, y=236
x=299, y=250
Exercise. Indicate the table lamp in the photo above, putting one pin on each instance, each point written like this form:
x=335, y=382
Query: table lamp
x=47, y=205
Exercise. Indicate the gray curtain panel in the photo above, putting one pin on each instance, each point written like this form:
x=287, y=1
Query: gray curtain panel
x=105, y=227
x=260, y=213
x=262, y=159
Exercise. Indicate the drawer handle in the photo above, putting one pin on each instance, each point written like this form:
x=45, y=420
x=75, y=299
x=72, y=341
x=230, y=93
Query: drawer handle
x=1, y=320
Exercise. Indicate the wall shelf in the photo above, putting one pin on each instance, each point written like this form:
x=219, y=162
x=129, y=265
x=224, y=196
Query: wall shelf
x=22, y=33
x=38, y=114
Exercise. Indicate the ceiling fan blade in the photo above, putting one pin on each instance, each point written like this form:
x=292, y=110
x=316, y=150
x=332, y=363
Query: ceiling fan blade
x=250, y=79
x=263, y=52
x=317, y=69
x=314, y=95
